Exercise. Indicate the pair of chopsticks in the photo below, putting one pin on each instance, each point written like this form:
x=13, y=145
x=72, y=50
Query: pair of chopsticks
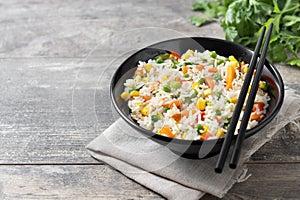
x=248, y=109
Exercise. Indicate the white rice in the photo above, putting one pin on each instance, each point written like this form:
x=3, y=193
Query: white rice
x=152, y=112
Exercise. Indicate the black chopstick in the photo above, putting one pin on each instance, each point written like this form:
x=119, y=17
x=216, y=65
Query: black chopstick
x=251, y=98
x=238, y=108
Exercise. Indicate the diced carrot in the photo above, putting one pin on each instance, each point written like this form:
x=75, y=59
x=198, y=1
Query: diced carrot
x=255, y=116
x=199, y=67
x=213, y=70
x=175, y=54
x=219, y=119
x=186, y=113
x=139, y=72
x=185, y=69
x=230, y=76
x=210, y=82
x=177, y=103
x=259, y=105
x=205, y=136
x=177, y=117
x=146, y=98
x=167, y=131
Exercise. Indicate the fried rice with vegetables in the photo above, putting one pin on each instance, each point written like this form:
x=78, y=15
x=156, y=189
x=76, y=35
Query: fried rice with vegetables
x=190, y=97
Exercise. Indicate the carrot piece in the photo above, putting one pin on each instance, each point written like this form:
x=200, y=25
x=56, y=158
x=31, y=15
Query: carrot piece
x=213, y=70
x=199, y=67
x=259, y=105
x=230, y=76
x=219, y=119
x=205, y=136
x=185, y=69
x=175, y=54
x=255, y=116
x=166, y=131
x=186, y=113
x=210, y=82
x=146, y=98
x=177, y=117
x=178, y=103
x=139, y=72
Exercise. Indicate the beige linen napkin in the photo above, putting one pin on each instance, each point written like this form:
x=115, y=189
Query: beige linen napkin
x=174, y=177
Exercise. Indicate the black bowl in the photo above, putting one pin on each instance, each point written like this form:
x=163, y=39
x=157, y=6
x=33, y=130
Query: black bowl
x=194, y=148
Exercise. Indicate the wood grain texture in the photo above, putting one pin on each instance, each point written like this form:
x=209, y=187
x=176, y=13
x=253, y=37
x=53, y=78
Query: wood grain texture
x=56, y=62
x=102, y=182
x=68, y=182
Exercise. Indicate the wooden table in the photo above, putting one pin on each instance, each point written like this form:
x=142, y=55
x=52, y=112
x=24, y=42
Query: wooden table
x=54, y=77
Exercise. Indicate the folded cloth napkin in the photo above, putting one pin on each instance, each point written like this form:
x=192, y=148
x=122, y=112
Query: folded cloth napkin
x=174, y=177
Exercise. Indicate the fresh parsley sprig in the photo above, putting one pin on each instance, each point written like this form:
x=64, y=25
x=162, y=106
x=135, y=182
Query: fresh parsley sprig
x=242, y=20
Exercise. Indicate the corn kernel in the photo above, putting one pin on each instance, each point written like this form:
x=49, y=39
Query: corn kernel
x=220, y=133
x=148, y=67
x=205, y=128
x=188, y=54
x=235, y=64
x=195, y=85
x=245, y=70
x=145, y=111
x=209, y=103
x=206, y=92
x=184, y=135
x=146, y=79
x=201, y=104
x=125, y=95
x=232, y=58
x=164, y=78
x=134, y=93
x=138, y=104
x=233, y=100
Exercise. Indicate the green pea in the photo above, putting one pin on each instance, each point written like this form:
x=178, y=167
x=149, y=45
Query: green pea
x=220, y=61
x=166, y=108
x=213, y=54
x=166, y=88
x=186, y=75
x=155, y=118
x=203, y=59
x=159, y=59
x=218, y=112
x=188, y=63
x=194, y=93
x=218, y=77
x=174, y=62
x=131, y=89
x=218, y=94
x=175, y=84
x=199, y=127
x=165, y=56
x=201, y=81
x=187, y=100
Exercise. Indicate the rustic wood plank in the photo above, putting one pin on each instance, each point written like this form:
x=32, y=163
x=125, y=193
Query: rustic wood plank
x=101, y=182
x=68, y=182
x=73, y=28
